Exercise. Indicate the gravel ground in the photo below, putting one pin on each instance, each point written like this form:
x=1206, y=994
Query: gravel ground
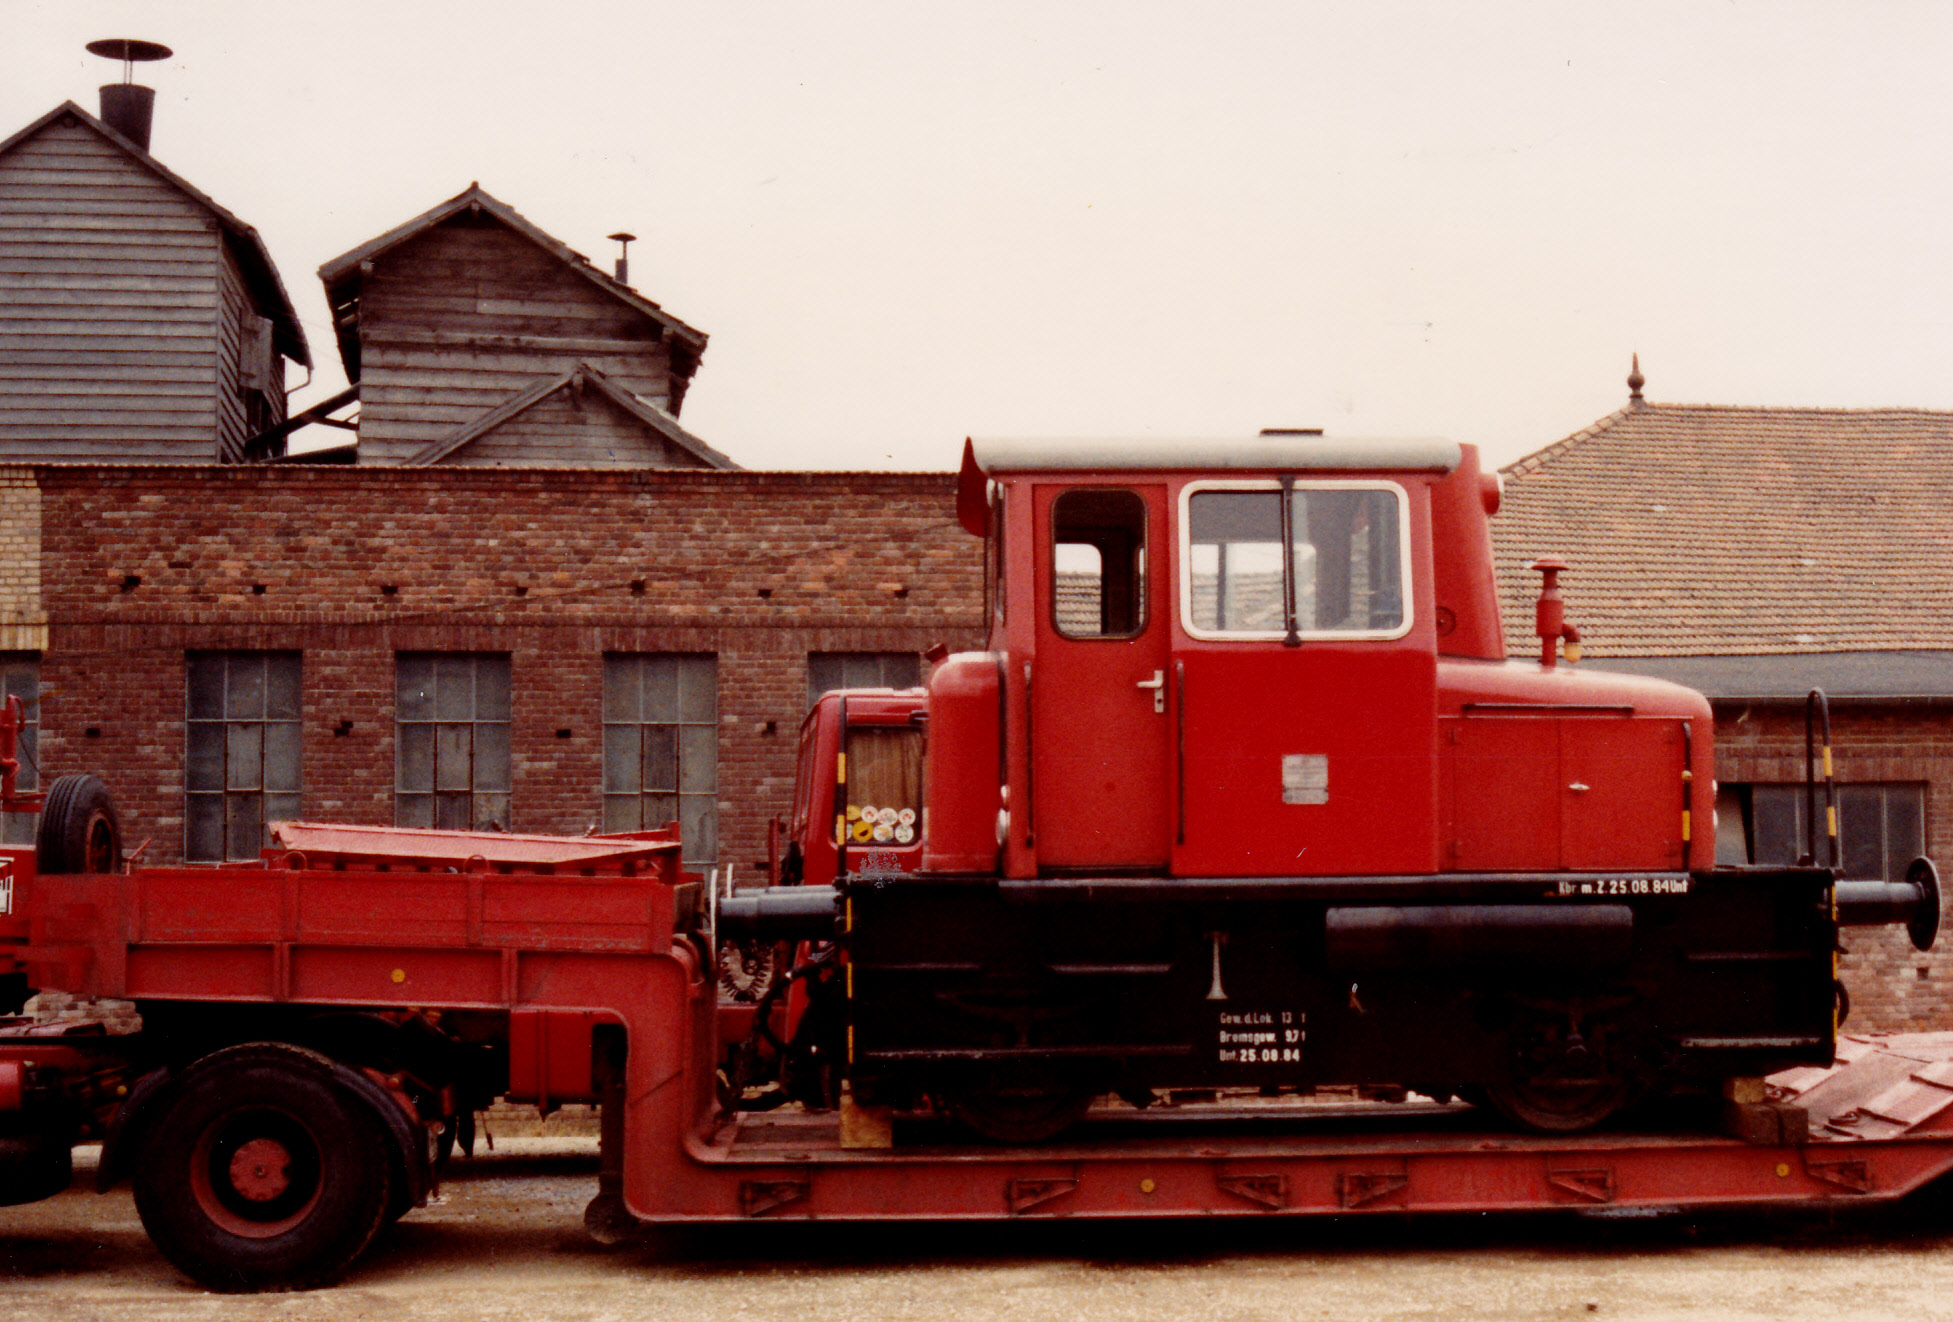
x=506, y=1243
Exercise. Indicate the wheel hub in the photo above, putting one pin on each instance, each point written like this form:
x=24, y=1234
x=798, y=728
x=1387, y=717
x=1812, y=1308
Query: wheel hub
x=261, y=1169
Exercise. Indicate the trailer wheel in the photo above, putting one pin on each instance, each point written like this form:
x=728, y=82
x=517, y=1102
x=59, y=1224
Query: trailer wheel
x=262, y=1174
x=1019, y=1115
x=78, y=831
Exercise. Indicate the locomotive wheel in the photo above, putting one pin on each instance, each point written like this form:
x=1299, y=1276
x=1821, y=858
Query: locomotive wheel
x=1558, y=1105
x=1019, y=1115
x=78, y=831
x=262, y=1174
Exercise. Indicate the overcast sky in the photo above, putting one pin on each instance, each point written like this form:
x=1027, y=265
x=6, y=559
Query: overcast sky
x=905, y=222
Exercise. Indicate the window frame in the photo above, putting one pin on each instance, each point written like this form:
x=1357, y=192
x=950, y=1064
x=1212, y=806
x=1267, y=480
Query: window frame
x=678, y=793
x=1140, y=579
x=227, y=794
x=435, y=721
x=882, y=659
x=1185, y=544
x=1744, y=796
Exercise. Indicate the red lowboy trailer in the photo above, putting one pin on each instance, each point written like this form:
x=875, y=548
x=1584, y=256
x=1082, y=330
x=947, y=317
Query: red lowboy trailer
x=1242, y=807
x=315, y=1026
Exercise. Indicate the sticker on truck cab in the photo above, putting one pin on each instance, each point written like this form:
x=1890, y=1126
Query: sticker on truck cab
x=6, y=887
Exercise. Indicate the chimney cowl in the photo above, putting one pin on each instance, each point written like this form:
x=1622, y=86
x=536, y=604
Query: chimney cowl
x=127, y=106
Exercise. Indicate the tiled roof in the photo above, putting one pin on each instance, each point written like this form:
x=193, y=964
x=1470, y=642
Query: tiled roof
x=1698, y=530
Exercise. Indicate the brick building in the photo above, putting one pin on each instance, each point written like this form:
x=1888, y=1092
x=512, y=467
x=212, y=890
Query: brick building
x=1755, y=554
x=204, y=623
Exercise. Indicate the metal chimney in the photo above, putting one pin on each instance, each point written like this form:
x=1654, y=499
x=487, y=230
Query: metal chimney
x=623, y=256
x=128, y=107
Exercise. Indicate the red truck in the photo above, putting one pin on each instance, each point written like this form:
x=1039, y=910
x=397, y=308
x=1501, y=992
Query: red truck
x=1242, y=803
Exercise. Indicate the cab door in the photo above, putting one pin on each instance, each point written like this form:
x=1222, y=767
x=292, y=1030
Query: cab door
x=1100, y=741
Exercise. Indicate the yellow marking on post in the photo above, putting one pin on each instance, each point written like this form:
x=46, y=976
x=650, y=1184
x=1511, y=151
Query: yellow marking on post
x=1827, y=761
x=1685, y=826
x=848, y=925
x=1831, y=819
x=841, y=768
x=850, y=968
x=850, y=1044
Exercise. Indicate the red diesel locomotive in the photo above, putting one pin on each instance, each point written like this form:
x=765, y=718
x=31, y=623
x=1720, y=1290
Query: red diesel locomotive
x=1245, y=792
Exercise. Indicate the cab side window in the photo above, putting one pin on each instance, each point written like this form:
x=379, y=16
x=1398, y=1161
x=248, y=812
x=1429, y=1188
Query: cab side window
x=1098, y=563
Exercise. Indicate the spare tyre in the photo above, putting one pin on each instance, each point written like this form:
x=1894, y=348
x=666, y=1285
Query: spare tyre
x=78, y=832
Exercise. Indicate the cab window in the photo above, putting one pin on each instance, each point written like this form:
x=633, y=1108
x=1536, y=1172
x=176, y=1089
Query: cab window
x=1319, y=560
x=1098, y=563
x=884, y=789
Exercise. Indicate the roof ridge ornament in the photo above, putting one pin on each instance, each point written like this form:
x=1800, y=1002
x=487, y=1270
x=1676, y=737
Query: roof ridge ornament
x=1634, y=382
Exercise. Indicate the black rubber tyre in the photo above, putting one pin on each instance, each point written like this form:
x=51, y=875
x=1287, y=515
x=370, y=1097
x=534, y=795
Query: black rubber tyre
x=262, y=1173
x=78, y=831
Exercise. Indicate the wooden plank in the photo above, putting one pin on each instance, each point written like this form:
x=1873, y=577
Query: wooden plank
x=154, y=376
x=94, y=263
x=191, y=284
x=34, y=243
x=86, y=187
x=139, y=209
x=105, y=439
x=504, y=343
x=155, y=224
x=16, y=389
x=95, y=321
x=18, y=174
x=106, y=352
x=90, y=303
x=113, y=414
x=413, y=364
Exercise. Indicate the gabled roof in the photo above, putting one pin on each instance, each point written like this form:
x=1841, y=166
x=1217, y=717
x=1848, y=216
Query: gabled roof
x=343, y=276
x=1707, y=530
x=260, y=275
x=581, y=376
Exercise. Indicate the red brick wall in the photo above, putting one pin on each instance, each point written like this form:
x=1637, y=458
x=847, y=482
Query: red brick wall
x=540, y=564
x=1893, y=987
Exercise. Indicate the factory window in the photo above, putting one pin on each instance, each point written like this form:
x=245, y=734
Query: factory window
x=451, y=759
x=661, y=746
x=241, y=751
x=827, y=671
x=20, y=677
x=1881, y=828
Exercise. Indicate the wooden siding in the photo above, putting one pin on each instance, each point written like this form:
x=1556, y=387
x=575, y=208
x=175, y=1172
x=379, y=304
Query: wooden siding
x=108, y=307
x=245, y=362
x=457, y=320
x=590, y=432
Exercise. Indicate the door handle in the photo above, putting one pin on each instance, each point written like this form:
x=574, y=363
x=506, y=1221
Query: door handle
x=1158, y=684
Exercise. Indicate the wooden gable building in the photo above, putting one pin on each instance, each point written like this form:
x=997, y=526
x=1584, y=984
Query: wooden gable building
x=140, y=322
x=474, y=338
